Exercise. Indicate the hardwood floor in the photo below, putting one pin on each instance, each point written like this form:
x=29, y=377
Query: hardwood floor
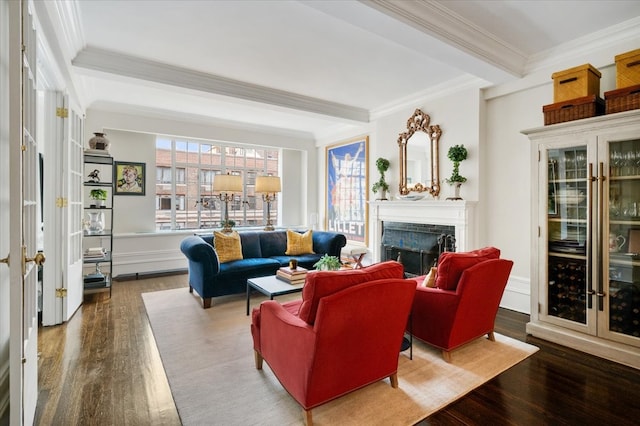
x=103, y=368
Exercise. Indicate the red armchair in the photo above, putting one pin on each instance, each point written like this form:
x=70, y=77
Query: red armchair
x=448, y=319
x=352, y=338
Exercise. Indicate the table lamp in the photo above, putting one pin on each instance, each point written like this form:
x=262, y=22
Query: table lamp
x=226, y=185
x=268, y=186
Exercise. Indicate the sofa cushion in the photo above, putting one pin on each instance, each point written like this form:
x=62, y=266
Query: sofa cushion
x=250, y=241
x=227, y=246
x=451, y=265
x=273, y=243
x=323, y=283
x=248, y=268
x=299, y=243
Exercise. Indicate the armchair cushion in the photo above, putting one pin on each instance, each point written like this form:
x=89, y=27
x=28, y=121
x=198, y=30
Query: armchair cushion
x=451, y=265
x=227, y=246
x=323, y=283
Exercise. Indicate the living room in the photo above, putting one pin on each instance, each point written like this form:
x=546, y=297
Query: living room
x=487, y=118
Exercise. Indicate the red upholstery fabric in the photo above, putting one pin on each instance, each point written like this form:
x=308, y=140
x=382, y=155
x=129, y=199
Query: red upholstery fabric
x=323, y=283
x=354, y=341
x=448, y=319
x=451, y=265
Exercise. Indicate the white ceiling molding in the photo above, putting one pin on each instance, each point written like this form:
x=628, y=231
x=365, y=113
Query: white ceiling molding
x=156, y=113
x=68, y=11
x=435, y=19
x=139, y=68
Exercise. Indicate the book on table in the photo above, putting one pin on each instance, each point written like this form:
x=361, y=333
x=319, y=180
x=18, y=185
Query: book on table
x=292, y=276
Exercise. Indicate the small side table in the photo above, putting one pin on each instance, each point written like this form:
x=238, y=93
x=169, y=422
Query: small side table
x=355, y=253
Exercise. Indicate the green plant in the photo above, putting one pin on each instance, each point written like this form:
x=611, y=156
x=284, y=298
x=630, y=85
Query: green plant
x=329, y=263
x=98, y=194
x=457, y=153
x=230, y=222
x=382, y=164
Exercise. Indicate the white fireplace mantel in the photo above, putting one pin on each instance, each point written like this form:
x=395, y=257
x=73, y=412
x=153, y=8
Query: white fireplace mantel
x=459, y=213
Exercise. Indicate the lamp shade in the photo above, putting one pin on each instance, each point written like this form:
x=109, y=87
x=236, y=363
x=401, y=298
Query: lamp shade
x=227, y=183
x=268, y=184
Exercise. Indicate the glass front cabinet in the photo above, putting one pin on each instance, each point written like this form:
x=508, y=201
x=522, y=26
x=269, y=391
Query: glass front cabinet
x=585, y=273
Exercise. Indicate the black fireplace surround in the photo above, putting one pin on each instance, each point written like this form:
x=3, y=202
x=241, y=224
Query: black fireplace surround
x=417, y=246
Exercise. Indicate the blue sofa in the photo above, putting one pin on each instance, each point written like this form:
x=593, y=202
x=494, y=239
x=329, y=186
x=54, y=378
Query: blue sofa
x=262, y=252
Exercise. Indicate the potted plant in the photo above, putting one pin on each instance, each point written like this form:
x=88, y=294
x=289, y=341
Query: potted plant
x=457, y=153
x=99, y=196
x=382, y=164
x=328, y=263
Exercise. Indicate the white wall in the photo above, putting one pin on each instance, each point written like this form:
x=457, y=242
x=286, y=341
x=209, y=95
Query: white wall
x=133, y=213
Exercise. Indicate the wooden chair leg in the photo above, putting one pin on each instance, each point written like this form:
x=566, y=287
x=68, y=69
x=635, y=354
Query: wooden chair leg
x=491, y=336
x=394, y=380
x=446, y=355
x=258, y=359
x=307, y=418
x=206, y=302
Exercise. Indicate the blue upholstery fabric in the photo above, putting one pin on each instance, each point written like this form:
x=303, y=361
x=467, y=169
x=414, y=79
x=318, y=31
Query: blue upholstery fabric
x=263, y=254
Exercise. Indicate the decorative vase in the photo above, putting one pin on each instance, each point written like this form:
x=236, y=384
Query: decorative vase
x=99, y=142
x=96, y=221
x=456, y=189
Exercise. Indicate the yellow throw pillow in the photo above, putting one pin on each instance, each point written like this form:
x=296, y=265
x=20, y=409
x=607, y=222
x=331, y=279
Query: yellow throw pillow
x=227, y=246
x=430, y=279
x=299, y=243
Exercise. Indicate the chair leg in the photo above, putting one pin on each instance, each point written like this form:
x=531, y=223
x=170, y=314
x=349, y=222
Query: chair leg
x=491, y=336
x=307, y=418
x=258, y=359
x=446, y=355
x=394, y=380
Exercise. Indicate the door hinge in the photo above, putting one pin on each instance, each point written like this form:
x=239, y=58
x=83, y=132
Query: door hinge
x=61, y=202
x=61, y=293
x=62, y=112
x=539, y=308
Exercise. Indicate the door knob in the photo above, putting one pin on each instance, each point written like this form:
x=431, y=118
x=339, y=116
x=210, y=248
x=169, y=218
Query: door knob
x=38, y=259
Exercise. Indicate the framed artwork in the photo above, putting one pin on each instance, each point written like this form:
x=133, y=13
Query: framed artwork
x=129, y=178
x=347, y=190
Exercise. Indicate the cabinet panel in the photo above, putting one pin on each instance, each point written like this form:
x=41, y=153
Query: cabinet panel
x=585, y=286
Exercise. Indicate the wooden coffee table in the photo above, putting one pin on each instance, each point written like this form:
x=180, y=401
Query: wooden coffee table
x=271, y=286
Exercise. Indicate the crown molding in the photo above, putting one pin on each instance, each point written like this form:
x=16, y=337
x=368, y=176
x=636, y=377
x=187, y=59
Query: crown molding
x=68, y=13
x=442, y=23
x=134, y=67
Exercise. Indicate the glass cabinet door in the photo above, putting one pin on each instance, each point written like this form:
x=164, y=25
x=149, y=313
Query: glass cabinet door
x=622, y=240
x=567, y=225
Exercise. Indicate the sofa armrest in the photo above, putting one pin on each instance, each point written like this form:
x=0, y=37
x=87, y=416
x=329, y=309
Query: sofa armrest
x=330, y=243
x=199, y=251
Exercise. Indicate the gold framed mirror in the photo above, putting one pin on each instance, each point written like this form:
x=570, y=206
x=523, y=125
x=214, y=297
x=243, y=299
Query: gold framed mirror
x=419, y=165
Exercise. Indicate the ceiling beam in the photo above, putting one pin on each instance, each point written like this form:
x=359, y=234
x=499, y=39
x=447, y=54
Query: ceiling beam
x=134, y=67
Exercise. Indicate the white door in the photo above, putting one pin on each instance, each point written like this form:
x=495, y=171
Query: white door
x=63, y=288
x=23, y=156
x=72, y=177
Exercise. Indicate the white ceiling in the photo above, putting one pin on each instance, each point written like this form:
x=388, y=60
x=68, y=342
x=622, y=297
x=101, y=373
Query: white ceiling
x=306, y=66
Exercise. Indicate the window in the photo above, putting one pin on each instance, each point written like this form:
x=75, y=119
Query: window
x=185, y=171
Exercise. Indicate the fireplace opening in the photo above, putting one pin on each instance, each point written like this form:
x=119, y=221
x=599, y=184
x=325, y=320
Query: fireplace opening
x=417, y=246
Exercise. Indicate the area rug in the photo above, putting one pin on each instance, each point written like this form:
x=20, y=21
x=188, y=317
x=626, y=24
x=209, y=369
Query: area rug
x=208, y=357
